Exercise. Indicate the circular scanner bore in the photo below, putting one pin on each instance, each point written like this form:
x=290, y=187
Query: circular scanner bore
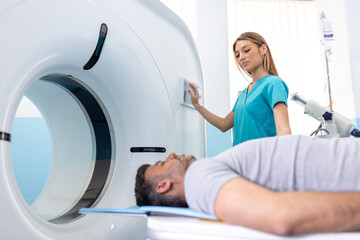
x=79, y=154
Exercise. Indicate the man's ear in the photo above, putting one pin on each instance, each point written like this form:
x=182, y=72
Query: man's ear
x=163, y=186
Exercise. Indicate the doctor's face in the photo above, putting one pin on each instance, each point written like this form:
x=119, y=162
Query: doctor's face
x=248, y=55
x=174, y=165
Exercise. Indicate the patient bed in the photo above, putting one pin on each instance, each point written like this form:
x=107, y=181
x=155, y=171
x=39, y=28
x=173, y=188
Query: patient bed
x=170, y=223
x=183, y=228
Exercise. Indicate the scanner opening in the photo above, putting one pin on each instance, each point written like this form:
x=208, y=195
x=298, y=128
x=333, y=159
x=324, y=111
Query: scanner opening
x=81, y=150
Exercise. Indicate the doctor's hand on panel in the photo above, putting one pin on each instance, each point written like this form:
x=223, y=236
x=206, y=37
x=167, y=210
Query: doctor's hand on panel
x=232, y=186
x=261, y=109
x=195, y=97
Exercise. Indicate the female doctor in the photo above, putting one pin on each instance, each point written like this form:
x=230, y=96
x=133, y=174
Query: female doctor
x=261, y=109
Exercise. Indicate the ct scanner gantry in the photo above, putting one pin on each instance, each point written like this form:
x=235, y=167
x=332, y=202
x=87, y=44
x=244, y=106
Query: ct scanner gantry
x=109, y=78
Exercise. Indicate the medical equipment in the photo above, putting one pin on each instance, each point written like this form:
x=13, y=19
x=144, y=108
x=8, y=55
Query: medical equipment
x=327, y=33
x=327, y=41
x=333, y=123
x=105, y=77
x=176, y=228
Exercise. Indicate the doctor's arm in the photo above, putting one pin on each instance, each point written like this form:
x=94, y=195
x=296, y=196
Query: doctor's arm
x=223, y=124
x=281, y=117
x=241, y=202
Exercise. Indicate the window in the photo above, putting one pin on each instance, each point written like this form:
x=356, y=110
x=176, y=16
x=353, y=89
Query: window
x=291, y=29
x=292, y=32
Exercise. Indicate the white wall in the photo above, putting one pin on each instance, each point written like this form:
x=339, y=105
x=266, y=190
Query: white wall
x=212, y=42
x=352, y=8
x=345, y=61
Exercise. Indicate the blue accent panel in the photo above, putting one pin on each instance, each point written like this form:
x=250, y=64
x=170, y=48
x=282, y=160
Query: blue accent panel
x=159, y=210
x=217, y=141
x=356, y=121
x=31, y=152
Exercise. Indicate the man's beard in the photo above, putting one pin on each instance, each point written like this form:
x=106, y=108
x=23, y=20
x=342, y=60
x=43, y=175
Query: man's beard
x=187, y=160
x=181, y=166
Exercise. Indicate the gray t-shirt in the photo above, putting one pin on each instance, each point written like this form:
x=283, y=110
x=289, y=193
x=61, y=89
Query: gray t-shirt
x=287, y=163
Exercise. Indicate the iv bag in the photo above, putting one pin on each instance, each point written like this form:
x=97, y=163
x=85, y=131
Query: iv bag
x=327, y=33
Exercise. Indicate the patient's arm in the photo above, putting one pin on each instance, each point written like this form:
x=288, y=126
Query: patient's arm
x=290, y=213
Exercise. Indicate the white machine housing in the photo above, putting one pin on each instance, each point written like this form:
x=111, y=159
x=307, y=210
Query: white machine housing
x=340, y=126
x=134, y=88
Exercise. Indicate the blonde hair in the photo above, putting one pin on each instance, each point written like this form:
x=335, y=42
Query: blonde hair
x=268, y=61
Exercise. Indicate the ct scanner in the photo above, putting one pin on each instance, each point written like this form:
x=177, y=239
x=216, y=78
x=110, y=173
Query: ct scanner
x=109, y=78
x=106, y=76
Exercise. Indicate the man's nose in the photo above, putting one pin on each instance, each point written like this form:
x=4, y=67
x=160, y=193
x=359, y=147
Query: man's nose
x=171, y=156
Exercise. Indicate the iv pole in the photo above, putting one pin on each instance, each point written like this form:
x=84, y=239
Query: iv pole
x=328, y=80
x=327, y=33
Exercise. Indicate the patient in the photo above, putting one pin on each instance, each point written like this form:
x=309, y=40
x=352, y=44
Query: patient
x=284, y=185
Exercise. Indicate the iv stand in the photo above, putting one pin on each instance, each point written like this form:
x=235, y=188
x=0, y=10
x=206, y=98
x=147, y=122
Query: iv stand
x=327, y=53
x=328, y=79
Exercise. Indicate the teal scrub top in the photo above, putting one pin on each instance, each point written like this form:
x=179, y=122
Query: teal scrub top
x=253, y=111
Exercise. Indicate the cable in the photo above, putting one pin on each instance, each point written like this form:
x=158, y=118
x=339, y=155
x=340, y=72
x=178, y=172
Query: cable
x=318, y=130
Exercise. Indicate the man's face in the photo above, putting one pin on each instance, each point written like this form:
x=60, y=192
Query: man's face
x=174, y=166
